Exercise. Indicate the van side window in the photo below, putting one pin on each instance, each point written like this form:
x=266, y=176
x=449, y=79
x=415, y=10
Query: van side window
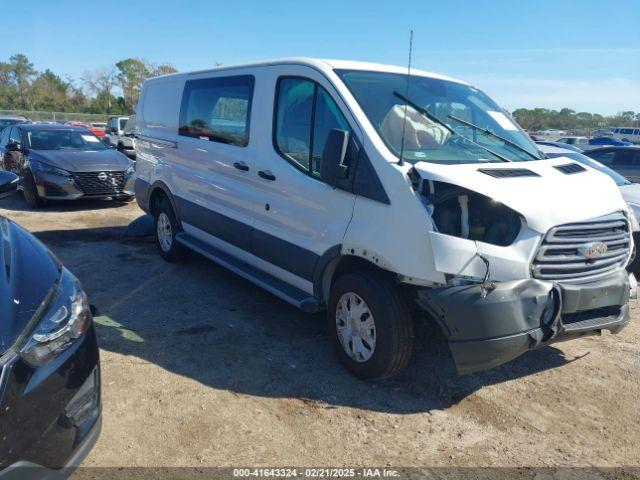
x=304, y=115
x=217, y=109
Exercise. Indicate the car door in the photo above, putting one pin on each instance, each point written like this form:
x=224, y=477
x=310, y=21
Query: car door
x=215, y=153
x=298, y=217
x=627, y=163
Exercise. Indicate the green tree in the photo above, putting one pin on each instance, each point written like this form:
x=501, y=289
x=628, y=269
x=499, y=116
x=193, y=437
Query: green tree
x=22, y=71
x=131, y=74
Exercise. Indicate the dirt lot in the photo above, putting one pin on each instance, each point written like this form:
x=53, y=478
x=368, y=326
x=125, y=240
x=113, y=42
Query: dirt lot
x=201, y=368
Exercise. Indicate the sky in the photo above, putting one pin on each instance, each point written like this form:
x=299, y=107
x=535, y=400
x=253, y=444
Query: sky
x=583, y=55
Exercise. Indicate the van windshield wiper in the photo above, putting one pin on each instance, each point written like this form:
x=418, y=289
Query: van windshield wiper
x=495, y=135
x=424, y=112
x=435, y=119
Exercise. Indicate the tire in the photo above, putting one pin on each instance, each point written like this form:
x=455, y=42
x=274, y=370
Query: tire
x=389, y=349
x=165, y=221
x=30, y=192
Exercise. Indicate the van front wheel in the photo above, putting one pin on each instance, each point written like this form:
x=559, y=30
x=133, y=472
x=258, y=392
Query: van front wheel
x=370, y=324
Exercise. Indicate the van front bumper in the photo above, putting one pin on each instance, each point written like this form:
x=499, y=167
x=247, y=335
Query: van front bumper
x=523, y=315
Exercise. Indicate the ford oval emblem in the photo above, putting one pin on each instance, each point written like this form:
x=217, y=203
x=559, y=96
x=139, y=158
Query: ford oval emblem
x=102, y=176
x=593, y=249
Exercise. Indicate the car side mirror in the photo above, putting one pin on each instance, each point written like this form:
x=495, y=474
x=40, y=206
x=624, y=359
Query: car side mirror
x=12, y=147
x=332, y=167
x=8, y=183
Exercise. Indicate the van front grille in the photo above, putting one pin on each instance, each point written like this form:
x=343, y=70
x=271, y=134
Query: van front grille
x=100, y=183
x=565, y=252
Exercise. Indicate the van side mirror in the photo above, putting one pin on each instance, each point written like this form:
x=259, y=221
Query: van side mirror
x=13, y=147
x=8, y=183
x=332, y=167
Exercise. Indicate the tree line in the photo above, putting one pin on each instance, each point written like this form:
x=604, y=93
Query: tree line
x=116, y=89
x=566, y=119
x=113, y=90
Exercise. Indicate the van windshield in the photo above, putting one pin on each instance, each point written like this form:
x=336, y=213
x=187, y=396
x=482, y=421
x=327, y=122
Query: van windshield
x=446, y=122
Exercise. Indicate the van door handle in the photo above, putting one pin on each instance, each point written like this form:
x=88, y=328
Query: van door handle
x=241, y=166
x=267, y=175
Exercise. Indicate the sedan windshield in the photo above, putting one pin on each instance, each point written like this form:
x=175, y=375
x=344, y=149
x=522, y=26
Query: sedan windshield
x=61, y=139
x=8, y=122
x=446, y=122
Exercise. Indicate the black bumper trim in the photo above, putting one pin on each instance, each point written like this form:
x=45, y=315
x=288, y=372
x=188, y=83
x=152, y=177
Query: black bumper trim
x=514, y=317
x=25, y=470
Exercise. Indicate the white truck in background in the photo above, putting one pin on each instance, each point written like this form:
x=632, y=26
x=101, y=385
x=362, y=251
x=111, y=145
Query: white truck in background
x=120, y=134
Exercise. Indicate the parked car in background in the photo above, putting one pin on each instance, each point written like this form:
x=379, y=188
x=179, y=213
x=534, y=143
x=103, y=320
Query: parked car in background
x=565, y=146
x=97, y=131
x=624, y=160
x=627, y=134
x=8, y=120
x=604, y=141
x=64, y=163
x=323, y=183
x=576, y=141
x=120, y=134
x=630, y=193
x=50, y=406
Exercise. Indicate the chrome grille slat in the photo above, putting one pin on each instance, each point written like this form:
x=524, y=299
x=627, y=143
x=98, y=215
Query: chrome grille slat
x=578, y=257
x=559, y=258
x=590, y=238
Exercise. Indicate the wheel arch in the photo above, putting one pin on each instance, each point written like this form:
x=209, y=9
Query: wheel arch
x=158, y=191
x=332, y=265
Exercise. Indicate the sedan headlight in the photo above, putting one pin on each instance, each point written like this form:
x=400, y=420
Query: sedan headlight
x=43, y=167
x=66, y=319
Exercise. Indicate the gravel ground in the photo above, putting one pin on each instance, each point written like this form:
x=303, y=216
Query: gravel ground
x=200, y=368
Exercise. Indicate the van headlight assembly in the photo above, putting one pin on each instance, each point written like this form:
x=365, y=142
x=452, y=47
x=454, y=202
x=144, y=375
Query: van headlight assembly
x=635, y=210
x=66, y=319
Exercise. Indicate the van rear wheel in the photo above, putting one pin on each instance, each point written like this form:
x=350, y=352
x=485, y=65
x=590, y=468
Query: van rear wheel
x=166, y=229
x=371, y=325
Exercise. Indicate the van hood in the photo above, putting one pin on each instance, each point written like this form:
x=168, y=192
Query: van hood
x=83, y=160
x=545, y=198
x=27, y=272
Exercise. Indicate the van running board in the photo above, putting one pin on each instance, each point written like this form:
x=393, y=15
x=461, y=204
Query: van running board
x=295, y=296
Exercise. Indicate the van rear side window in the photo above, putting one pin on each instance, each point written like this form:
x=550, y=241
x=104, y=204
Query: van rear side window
x=217, y=109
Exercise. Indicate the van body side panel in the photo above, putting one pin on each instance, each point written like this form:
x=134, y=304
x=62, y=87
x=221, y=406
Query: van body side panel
x=297, y=217
x=213, y=195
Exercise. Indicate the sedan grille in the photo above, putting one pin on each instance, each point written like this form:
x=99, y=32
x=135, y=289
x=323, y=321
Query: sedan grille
x=564, y=256
x=100, y=183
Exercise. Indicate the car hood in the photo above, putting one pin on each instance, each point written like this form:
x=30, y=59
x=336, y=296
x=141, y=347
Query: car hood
x=548, y=199
x=82, y=160
x=27, y=272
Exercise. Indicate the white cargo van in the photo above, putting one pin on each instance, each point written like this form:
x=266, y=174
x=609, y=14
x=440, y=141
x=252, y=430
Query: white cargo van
x=354, y=188
x=627, y=134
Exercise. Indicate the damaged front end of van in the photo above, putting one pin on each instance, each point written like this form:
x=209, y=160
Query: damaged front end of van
x=530, y=256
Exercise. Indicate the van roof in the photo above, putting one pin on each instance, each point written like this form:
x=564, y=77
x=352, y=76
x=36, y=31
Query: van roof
x=322, y=65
